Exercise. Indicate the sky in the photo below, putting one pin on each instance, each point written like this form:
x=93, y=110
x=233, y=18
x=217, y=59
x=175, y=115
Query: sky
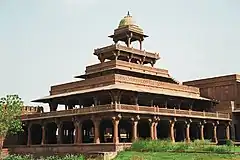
x=48, y=42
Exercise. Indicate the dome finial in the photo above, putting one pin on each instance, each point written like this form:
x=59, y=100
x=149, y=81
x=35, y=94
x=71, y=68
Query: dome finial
x=128, y=13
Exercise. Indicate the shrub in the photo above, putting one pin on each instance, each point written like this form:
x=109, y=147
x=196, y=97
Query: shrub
x=167, y=145
x=229, y=143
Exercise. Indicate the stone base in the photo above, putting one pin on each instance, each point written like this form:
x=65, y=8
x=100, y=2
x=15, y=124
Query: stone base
x=55, y=149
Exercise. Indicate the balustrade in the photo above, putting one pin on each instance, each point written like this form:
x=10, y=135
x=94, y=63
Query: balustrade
x=129, y=108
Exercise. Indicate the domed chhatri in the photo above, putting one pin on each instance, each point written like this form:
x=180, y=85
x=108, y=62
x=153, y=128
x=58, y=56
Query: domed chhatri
x=126, y=21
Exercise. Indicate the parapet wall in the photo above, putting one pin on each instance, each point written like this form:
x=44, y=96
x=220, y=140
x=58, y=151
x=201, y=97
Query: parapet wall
x=32, y=109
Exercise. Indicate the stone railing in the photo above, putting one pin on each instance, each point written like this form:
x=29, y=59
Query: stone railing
x=70, y=112
x=129, y=109
x=126, y=49
x=174, y=112
x=31, y=110
x=137, y=51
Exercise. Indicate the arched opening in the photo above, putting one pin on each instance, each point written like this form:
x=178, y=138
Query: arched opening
x=125, y=131
x=179, y=131
x=143, y=128
x=36, y=134
x=106, y=131
x=127, y=98
x=163, y=129
x=104, y=99
x=221, y=131
x=208, y=131
x=88, y=131
x=68, y=132
x=51, y=129
x=194, y=131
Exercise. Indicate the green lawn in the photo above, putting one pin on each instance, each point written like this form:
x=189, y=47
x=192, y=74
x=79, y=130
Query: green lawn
x=131, y=155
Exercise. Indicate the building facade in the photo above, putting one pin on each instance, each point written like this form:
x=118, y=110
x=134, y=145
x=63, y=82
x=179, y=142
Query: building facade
x=226, y=90
x=119, y=100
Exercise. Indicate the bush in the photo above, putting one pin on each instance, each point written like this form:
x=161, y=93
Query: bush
x=167, y=145
x=229, y=143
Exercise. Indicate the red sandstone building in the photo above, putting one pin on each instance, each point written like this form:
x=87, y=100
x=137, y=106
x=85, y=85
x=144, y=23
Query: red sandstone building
x=119, y=100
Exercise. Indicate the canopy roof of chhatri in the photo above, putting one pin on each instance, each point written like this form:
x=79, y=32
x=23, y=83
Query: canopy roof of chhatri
x=128, y=21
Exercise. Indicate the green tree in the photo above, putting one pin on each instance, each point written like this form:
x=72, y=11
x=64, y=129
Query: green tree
x=10, y=116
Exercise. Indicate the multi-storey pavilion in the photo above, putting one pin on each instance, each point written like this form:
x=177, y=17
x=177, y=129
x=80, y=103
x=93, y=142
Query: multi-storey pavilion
x=119, y=100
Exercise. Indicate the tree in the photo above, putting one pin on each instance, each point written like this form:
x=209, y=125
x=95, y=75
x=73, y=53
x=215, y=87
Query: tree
x=10, y=116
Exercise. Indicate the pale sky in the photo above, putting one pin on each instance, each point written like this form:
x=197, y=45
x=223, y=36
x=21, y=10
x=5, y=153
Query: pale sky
x=47, y=42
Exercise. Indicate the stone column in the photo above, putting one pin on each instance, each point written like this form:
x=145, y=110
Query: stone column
x=115, y=121
x=228, y=131
x=155, y=130
x=95, y=101
x=202, y=130
x=215, y=132
x=152, y=124
x=76, y=126
x=79, y=133
x=172, y=135
x=53, y=106
x=43, y=134
x=187, y=131
x=140, y=43
x=96, y=131
x=134, y=128
x=29, y=142
x=59, y=137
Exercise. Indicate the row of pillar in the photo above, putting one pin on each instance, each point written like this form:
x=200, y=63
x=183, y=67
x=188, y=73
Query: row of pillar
x=153, y=123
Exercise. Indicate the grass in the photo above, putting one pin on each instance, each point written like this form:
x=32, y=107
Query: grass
x=132, y=155
x=166, y=145
x=157, y=150
x=163, y=149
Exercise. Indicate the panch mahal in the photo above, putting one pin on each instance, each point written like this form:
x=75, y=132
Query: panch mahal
x=117, y=101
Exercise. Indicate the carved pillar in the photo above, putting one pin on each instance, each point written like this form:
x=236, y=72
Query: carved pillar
x=79, y=133
x=43, y=134
x=129, y=37
x=115, y=121
x=53, y=106
x=29, y=142
x=202, y=130
x=76, y=126
x=166, y=103
x=59, y=136
x=152, y=124
x=228, y=131
x=140, y=44
x=155, y=129
x=71, y=106
x=171, y=125
x=188, y=139
x=95, y=101
x=96, y=130
x=135, y=99
x=134, y=128
x=115, y=96
x=101, y=58
x=215, y=132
